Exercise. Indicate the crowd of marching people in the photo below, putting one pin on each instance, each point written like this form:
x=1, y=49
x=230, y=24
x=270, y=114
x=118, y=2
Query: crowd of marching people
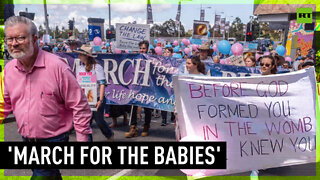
x=58, y=97
x=206, y=53
x=268, y=61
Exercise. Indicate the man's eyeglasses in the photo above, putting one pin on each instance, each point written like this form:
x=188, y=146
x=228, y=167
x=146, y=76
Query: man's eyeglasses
x=267, y=65
x=18, y=39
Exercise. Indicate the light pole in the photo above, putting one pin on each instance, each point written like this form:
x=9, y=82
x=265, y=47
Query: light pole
x=179, y=19
x=215, y=13
x=202, y=12
x=46, y=16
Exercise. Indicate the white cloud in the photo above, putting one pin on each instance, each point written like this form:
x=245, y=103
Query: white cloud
x=129, y=8
x=126, y=19
x=161, y=7
x=139, y=8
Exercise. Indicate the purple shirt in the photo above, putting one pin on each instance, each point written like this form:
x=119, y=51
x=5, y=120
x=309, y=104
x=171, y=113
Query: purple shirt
x=46, y=100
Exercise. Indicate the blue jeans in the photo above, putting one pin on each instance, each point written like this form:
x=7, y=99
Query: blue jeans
x=44, y=173
x=102, y=124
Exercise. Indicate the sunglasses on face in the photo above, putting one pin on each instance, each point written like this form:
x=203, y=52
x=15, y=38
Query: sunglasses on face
x=263, y=64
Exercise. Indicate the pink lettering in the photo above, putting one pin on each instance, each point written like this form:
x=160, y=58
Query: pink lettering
x=225, y=86
x=205, y=90
x=233, y=90
x=307, y=124
x=195, y=93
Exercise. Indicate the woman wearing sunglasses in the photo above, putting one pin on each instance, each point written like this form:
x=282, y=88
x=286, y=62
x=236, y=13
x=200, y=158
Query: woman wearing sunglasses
x=268, y=65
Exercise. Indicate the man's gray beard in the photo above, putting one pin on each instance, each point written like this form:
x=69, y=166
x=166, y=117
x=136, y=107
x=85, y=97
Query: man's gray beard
x=23, y=55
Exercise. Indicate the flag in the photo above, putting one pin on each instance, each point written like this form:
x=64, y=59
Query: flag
x=178, y=13
x=149, y=13
x=202, y=15
x=217, y=22
x=227, y=27
x=222, y=26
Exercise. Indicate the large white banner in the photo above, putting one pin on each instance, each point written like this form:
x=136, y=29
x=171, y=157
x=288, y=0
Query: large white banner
x=267, y=121
x=128, y=36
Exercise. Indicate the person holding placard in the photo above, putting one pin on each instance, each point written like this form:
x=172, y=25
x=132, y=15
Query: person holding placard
x=133, y=132
x=195, y=66
x=92, y=69
x=168, y=51
x=250, y=60
x=267, y=67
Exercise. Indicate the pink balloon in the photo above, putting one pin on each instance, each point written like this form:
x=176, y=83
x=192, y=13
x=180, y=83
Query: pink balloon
x=237, y=49
x=41, y=42
x=222, y=61
x=185, y=41
x=288, y=59
x=117, y=51
x=194, y=47
x=215, y=47
x=111, y=43
x=97, y=41
x=158, y=50
x=175, y=43
x=67, y=47
x=257, y=56
x=103, y=43
x=187, y=51
x=126, y=51
x=266, y=53
x=188, y=42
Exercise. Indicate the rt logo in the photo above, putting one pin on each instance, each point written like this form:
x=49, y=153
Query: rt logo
x=304, y=15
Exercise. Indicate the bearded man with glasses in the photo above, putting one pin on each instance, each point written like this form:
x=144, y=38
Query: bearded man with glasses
x=42, y=91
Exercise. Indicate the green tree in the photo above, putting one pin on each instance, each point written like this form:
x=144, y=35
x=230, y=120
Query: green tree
x=41, y=31
x=167, y=29
x=236, y=29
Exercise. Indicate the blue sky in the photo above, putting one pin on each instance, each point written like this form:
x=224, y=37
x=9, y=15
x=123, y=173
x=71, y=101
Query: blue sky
x=60, y=14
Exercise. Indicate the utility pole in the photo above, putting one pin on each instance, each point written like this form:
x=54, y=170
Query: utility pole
x=109, y=6
x=73, y=29
x=179, y=31
x=46, y=16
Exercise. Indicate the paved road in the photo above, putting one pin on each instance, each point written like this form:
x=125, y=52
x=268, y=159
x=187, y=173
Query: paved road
x=157, y=133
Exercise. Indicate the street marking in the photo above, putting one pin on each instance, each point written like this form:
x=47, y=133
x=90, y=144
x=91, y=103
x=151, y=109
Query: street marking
x=119, y=174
